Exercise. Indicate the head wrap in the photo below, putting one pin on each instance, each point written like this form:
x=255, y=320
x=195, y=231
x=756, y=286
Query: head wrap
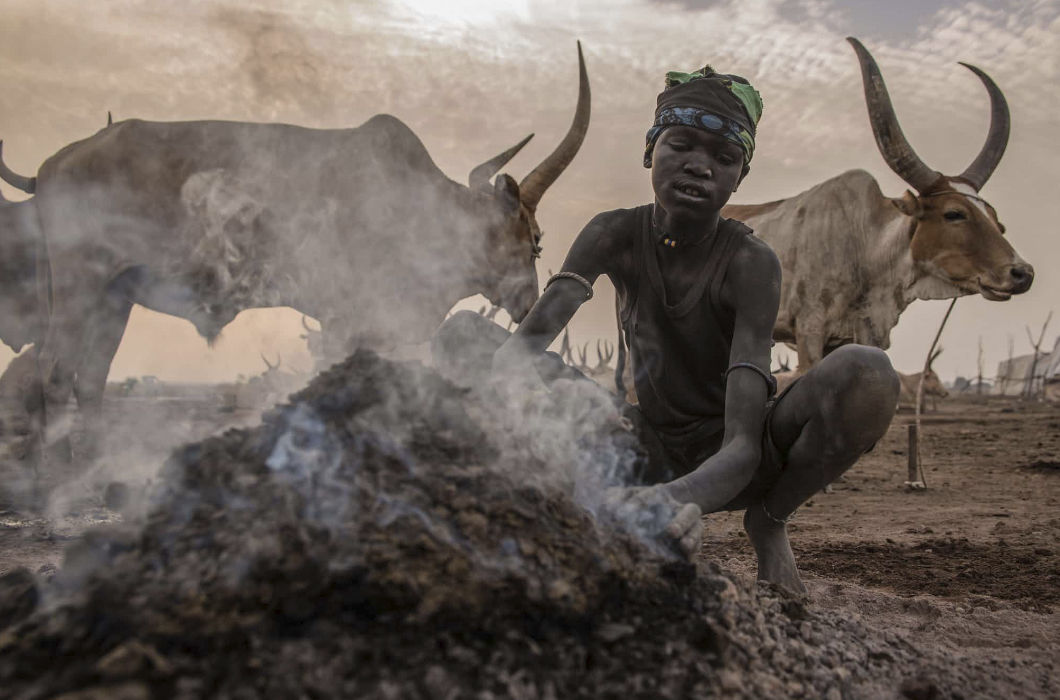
x=723, y=104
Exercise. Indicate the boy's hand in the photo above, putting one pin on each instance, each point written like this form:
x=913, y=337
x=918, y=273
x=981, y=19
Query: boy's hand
x=650, y=511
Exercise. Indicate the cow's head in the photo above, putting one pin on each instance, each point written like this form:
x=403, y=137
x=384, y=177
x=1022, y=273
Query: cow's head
x=513, y=243
x=18, y=274
x=955, y=234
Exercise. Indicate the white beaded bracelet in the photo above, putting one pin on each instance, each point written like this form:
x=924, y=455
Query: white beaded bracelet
x=577, y=278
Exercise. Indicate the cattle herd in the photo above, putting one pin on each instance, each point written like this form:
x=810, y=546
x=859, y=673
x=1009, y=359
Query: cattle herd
x=204, y=219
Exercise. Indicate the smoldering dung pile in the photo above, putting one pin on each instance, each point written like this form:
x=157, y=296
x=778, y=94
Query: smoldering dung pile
x=370, y=539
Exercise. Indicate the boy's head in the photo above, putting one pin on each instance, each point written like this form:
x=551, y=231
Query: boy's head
x=725, y=105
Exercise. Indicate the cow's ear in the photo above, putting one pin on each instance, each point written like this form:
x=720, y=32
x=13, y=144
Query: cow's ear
x=908, y=204
x=506, y=191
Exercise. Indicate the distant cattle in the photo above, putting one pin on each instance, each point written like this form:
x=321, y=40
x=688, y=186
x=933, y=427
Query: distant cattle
x=262, y=390
x=601, y=372
x=933, y=386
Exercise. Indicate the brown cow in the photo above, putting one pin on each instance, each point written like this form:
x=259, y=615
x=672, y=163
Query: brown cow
x=204, y=219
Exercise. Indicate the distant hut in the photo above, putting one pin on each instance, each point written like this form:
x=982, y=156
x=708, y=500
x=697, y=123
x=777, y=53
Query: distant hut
x=1051, y=375
x=1021, y=376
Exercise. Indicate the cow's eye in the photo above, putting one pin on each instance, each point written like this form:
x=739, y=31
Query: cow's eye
x=953, y=215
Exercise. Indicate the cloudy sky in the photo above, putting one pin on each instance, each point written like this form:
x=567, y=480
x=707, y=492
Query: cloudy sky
x=479, y=75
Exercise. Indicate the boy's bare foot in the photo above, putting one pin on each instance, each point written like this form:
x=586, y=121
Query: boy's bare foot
x=776, y=563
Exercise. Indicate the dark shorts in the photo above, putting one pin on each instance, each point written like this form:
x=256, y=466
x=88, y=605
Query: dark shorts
x=667, y=457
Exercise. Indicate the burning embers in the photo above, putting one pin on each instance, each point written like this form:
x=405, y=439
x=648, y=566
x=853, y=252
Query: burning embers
x=373, y=501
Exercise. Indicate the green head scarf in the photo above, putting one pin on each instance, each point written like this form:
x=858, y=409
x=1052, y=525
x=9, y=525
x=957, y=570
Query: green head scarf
x=723, y=104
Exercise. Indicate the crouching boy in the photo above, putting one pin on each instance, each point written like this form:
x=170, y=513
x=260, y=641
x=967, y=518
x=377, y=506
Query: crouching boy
x=698, y=297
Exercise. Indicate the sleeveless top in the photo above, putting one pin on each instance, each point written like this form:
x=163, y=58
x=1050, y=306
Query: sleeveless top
x=680, y=347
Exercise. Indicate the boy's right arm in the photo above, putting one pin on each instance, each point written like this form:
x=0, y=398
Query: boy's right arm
x=589, y=257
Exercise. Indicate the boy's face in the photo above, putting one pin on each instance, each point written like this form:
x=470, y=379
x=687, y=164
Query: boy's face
x=694, y=172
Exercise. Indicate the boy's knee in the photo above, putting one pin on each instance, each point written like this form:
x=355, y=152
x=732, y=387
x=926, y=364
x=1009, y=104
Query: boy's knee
x=860, y=388
x=865, y=371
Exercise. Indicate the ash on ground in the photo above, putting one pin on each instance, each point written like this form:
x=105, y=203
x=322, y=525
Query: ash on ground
x=376, y=537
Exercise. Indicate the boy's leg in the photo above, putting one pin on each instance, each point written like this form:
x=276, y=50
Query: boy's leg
x=833, y=415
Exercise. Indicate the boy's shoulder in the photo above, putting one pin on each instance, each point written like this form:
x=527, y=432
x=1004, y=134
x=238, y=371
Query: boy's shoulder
x=620, y=221
x=607, y=244
x=752, y=253
x=612, y=232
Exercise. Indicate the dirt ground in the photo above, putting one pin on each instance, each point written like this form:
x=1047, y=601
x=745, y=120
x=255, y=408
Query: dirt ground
x=139, y=434
x=970, y=565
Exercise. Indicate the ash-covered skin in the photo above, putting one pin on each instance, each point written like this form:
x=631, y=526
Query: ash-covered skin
x=815, y=432
x=439, y=573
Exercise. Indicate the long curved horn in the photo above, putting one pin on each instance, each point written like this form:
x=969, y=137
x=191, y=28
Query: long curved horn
x=26, y=184
x=996, y=139
x=481, y=174
x=266, y=361
x=541, y=177
x=893, y=145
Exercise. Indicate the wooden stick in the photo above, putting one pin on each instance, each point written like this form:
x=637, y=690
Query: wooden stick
x=913, y=481
x=913, y=441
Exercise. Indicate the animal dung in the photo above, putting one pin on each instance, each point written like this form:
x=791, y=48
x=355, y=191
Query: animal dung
x=374, y=538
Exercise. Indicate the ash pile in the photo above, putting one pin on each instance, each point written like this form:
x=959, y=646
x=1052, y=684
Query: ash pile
x=386, y=535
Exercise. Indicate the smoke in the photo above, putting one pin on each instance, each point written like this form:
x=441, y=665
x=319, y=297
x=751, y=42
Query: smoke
x=116, y=455
x=201, y=220
x=282, y=70
x=569, y=425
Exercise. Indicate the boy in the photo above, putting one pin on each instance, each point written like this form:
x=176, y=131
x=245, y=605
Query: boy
x=698, y=296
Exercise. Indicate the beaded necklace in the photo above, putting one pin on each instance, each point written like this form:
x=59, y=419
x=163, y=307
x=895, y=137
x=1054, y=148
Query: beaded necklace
x=668, y=241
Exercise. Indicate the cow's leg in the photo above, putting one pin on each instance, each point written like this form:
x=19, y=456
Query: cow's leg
x=48, y=448
x=809, y=343
x=19, y=441
x=102, y=343
x=58, y=359
x=832, y=416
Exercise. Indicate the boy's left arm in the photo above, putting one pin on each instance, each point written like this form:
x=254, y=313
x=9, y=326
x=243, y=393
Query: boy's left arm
x=752, y=291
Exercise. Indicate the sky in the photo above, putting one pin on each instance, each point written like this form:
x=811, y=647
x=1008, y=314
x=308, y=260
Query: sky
x=475, y=77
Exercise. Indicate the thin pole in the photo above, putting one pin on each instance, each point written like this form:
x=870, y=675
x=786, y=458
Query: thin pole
x=913, y=459
x=920, y=387
x=979, y=379
x=1029, y=388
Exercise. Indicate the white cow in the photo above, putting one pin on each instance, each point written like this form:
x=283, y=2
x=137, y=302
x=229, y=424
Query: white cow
x=854, y=259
